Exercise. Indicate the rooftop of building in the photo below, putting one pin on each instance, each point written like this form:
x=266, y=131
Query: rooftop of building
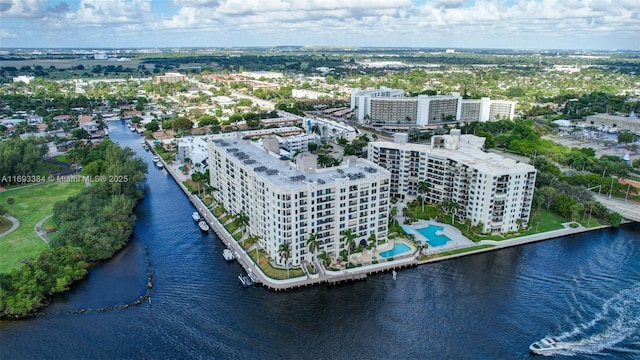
x=280, y=171
x=467, y=150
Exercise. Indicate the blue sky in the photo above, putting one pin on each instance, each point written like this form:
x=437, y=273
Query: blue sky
x=521, y=24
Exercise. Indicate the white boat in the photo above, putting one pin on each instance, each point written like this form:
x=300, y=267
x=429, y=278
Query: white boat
x=133, y=129
x=196, y=216
x=547, y=346
x=246, y=280
x=228, y=255
x=145, y=147
x=204, y=227
x=159, y=164
x=155, y=158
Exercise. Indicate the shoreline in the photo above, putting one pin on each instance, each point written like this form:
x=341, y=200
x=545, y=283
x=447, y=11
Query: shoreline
x=330, y=277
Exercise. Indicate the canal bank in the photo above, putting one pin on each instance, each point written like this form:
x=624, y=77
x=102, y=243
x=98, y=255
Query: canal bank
x=332, y=277
x=488, y=306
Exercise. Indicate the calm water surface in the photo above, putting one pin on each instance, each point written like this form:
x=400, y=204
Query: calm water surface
x=584, y=289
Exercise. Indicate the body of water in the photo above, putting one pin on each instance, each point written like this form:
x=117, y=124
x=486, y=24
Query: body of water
x=584, y=289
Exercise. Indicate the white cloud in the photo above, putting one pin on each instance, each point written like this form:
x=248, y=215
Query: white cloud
x=7, y=34
x=256, y=22
x=21, y=8
x=93, y=12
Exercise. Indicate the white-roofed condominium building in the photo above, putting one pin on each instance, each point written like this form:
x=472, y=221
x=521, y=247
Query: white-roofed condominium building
x=286, y=202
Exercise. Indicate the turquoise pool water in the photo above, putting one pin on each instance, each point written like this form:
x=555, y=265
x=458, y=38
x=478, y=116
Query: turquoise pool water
x=398, y=248
x=430, y=233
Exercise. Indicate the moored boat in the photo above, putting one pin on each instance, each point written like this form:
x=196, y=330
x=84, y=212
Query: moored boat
x=246, y=280
x=159, y=164
x=204, y=227
x=228, y=255
x=196, y=216
x=155, y=158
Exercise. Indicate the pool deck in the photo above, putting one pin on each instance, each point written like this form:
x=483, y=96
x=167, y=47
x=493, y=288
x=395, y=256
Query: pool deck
x=456, y=239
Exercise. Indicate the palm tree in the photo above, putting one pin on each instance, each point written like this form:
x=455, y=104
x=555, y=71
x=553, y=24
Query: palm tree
x=284, y=250
x=467, y=224
x=450, y=206
x=241, y=219
x=349, y=240
x=312, y=243
x=394, y=213
x=373, y=240
x=454, y=206
x=591, y=205
x=423, y=188
x=326, y=261
x=256, y=238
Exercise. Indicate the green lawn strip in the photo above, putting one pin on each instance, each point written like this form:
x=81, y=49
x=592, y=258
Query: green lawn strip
x=549, y=221
x=190, y=186
x=44, y=169
x=32, y=203
x=454, y=252
x=62, y=159
x=270, y=271
x=218, y=212
x=231, y=227
x=5, y=224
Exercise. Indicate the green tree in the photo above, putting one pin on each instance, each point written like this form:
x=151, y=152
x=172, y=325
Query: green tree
x=182, y=123
x=423, y=188
x=626, y=138
x=80, y=134
x=348, y=237
x=312, y=243
x=284, y=251
x=550, y=195
x=241, y=219
x=393, y=213
x=615, y=219
x=152, y=126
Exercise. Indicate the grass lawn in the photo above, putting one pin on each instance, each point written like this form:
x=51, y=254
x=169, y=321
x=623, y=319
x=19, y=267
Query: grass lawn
x=453, y=252
x=32, y=203
x=218, y=212
x=46, y=168
x=62, y=159
x=231, y=227
x=270, y=271
x=4, y=225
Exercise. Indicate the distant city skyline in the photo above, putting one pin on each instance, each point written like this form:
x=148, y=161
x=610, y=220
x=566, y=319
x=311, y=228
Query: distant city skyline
x=507, y=24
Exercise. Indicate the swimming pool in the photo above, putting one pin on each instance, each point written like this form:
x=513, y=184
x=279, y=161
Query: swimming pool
x=432, y=238
x=398, y=248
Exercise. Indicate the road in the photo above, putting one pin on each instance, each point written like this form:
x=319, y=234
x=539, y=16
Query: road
x=628, y=210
